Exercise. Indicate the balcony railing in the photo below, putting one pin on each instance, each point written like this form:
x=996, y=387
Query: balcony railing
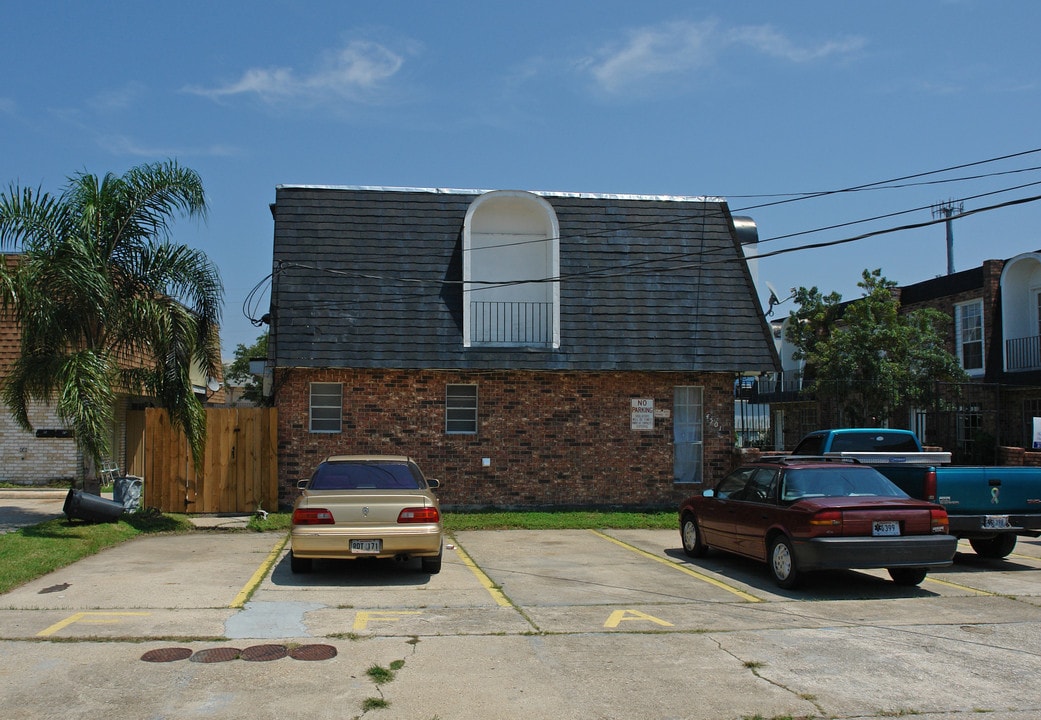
x=511, y=323
x=1023, y=353
x=778, y=387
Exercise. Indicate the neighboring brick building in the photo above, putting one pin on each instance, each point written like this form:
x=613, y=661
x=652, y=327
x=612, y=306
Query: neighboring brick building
x=50, y=454
x=995, y=332
x=528, y=349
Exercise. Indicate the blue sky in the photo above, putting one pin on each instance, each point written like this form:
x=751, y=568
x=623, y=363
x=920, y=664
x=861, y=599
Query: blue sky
x=741, y=100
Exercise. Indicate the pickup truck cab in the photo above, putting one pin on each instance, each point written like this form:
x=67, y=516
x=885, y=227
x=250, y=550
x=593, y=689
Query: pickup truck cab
x=988, y=506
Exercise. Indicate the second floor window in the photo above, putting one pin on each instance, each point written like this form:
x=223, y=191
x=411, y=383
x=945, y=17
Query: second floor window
x=968, y=323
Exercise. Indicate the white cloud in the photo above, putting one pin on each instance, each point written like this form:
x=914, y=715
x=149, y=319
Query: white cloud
x=122, y=145
x=675, y=49
x=354, y=72
x=117, y=100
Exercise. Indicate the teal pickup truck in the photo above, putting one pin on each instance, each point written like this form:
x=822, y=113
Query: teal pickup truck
x=988, y=506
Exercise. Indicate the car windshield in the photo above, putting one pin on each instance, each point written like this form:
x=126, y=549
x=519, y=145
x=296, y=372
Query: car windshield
x=837, y=481
x=364, y=476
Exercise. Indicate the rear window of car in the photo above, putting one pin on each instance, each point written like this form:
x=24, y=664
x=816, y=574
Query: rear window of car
x=365, y=476
x=873, y=442
x=837, y=481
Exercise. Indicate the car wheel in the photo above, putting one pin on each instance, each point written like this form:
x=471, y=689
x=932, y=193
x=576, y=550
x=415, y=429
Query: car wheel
x=996, y=547
x=693, y=545
x=907, y=576
x=432, y=565
x=782, y=563
x=298, y=564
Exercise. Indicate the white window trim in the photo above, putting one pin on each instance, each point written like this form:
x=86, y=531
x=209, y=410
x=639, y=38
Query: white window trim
x=959, y=344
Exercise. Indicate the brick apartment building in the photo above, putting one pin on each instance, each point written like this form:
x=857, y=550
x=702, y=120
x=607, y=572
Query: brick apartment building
x=527, y=349
x=995, y=332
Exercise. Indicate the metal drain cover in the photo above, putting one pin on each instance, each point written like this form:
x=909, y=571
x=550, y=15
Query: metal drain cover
x=213, y=655
x=313, y=652
x=162, y=655
x=264, y=653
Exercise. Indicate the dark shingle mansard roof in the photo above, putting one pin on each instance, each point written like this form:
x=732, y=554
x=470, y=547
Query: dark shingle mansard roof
x=370, y=278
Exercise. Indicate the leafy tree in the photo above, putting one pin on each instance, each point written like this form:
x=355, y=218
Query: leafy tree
x=238, y=370
x=866, y=355
x=106, y=303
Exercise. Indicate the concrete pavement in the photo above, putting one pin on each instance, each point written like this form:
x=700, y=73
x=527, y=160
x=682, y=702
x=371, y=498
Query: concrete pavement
x=573, y=624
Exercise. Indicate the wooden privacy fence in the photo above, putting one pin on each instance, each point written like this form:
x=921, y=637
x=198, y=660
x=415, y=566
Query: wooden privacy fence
x=239, y=472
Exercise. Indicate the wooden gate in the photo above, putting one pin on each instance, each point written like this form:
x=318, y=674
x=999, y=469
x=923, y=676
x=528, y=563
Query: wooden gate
x=240, y=466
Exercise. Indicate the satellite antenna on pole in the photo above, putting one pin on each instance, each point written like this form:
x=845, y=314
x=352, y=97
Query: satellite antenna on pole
x=774, y=299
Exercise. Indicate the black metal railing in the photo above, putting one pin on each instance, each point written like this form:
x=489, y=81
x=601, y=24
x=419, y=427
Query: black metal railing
x=511, y=323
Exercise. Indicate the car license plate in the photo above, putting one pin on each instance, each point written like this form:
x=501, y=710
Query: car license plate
x=995, y=522
x=366, y=546
x=885, y=527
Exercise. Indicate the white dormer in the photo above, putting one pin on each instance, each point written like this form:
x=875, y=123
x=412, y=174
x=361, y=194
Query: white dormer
x=511, y=269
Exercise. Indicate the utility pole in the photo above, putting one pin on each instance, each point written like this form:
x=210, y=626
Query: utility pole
x=948, y=210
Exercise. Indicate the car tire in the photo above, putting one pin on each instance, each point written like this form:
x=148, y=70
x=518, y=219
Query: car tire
x=908, y=576
x=432, y=565
x=782, y=563
x=690, y=533
x=299, y=564
x=996, y=547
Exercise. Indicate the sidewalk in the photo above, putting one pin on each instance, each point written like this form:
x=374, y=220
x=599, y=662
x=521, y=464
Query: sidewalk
x=22, y=507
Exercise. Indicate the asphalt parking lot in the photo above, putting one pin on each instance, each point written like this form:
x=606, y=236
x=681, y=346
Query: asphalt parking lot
x=519, y=624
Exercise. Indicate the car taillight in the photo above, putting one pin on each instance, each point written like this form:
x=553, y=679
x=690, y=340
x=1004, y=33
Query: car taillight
x=938, y=520
x=419, y=515
x=312, y=516
x=930, y=485
x=826, y=521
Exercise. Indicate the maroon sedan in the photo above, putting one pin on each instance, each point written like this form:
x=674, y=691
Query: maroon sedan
x=799, y=515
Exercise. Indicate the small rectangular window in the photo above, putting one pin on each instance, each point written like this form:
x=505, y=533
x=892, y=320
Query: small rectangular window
x=461, y=409
x=326, y=407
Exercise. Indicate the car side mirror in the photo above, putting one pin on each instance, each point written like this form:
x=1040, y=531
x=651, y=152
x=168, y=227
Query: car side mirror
x=302, y=484
x=709, y=493
x=433, y=483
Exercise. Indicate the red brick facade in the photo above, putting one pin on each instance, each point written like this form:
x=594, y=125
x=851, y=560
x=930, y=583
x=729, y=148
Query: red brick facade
x=552, y=439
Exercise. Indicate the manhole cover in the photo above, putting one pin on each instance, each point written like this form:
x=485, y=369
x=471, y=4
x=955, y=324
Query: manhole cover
x=263, y=653
x=213, y=655
x=313, y=652
x=167, y=655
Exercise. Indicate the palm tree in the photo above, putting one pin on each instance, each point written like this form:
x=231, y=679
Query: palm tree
x=106, y=303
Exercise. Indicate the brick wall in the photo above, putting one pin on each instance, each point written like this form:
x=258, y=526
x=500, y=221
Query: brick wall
x=990, y=294
x=31, y=460
x=552, y=439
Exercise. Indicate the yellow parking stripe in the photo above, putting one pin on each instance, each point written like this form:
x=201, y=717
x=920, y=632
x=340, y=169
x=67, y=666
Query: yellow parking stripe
x=959, y=586
x=485, y=581
x=682, y=568
x=259, y=575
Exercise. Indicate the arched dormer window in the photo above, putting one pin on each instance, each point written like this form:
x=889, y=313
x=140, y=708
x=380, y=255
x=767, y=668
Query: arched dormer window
x=511, y=265
x=1021, y=312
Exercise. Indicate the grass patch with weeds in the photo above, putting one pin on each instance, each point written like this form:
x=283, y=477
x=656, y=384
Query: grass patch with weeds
x=380, y=675
x=374, y=703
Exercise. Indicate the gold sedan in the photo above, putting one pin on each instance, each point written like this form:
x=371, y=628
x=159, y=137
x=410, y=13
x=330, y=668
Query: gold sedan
x=358, y=506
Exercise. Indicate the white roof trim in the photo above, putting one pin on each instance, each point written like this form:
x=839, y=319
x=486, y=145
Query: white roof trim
x=541, y=193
